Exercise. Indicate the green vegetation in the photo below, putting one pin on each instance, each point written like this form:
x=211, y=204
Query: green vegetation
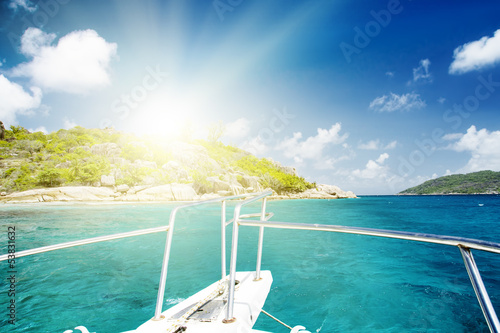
x=87, y=171
x=31, y=160
x=271, y=176
x=49, y=177
x=71, y=157
x=482, y=182
x=224, y=155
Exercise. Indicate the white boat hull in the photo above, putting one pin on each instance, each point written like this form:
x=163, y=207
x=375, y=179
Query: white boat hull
x=250, y=297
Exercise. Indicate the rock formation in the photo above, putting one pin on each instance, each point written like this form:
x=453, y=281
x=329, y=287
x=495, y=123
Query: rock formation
x=286, y=169
x=192, y=156
x=169, y=192
x=2, y=131
x=69, y=193
x=106, y=149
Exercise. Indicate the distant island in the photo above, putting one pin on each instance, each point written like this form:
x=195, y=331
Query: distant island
x=482, y=182
x=107, y=165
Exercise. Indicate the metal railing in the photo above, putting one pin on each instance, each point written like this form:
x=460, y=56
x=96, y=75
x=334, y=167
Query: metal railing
x=83, y=242
x=234, y=249
x=170, y=229
x=224, y=223
x=464, y=245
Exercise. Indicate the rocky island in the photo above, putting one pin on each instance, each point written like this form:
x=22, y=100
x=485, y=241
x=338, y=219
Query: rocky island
x=106, y=165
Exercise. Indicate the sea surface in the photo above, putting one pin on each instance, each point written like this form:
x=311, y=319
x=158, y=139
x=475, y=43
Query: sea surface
x=326, y=282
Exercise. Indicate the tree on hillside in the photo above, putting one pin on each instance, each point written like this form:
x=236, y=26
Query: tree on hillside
x=49, y=177
x=215, y=131
x=18, y=132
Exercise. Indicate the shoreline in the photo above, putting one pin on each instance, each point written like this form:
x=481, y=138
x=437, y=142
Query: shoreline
x=169, y=193
x=124, y=202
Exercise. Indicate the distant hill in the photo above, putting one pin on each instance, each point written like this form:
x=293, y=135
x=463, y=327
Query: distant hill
x=482, y=182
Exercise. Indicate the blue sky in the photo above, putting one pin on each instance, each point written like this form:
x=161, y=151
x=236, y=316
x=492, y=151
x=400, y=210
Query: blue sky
x=372, y=96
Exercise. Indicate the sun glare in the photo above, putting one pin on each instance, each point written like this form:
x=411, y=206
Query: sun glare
x=169, y=117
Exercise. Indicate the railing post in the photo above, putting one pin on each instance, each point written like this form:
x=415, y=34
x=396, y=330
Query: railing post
x=261, y=240
x=232, y=268
x=223, y=240
x=480, y=290
x=164, y=267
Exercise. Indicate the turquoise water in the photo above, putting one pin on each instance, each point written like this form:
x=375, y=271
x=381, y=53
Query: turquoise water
x=324, y=281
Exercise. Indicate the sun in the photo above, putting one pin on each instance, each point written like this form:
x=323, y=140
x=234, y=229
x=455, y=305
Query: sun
x=169, y=116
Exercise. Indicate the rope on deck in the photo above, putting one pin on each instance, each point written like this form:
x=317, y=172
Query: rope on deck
x=273, y=317
x=176, y=326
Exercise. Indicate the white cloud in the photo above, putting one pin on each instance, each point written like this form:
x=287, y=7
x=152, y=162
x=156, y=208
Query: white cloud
x=39, y=129
x=376, y=144
x=312, y=147
x=483, y=145
x=382, y=158
x=14, y=100
x=373, y=169
x=389, y=74
x=34, y=40
x=77, y=64
x=391, y=145
x=370, y=145
x=421, y=73
x=441, y=100
x=255, y=146
x=69, y=123
x=25, y=4
x=476, y=54
x=395, y=102
x=238, y=128
x=453, y=136
x=330, y=162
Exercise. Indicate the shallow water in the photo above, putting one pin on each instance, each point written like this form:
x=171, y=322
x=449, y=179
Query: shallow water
x=324, y=281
